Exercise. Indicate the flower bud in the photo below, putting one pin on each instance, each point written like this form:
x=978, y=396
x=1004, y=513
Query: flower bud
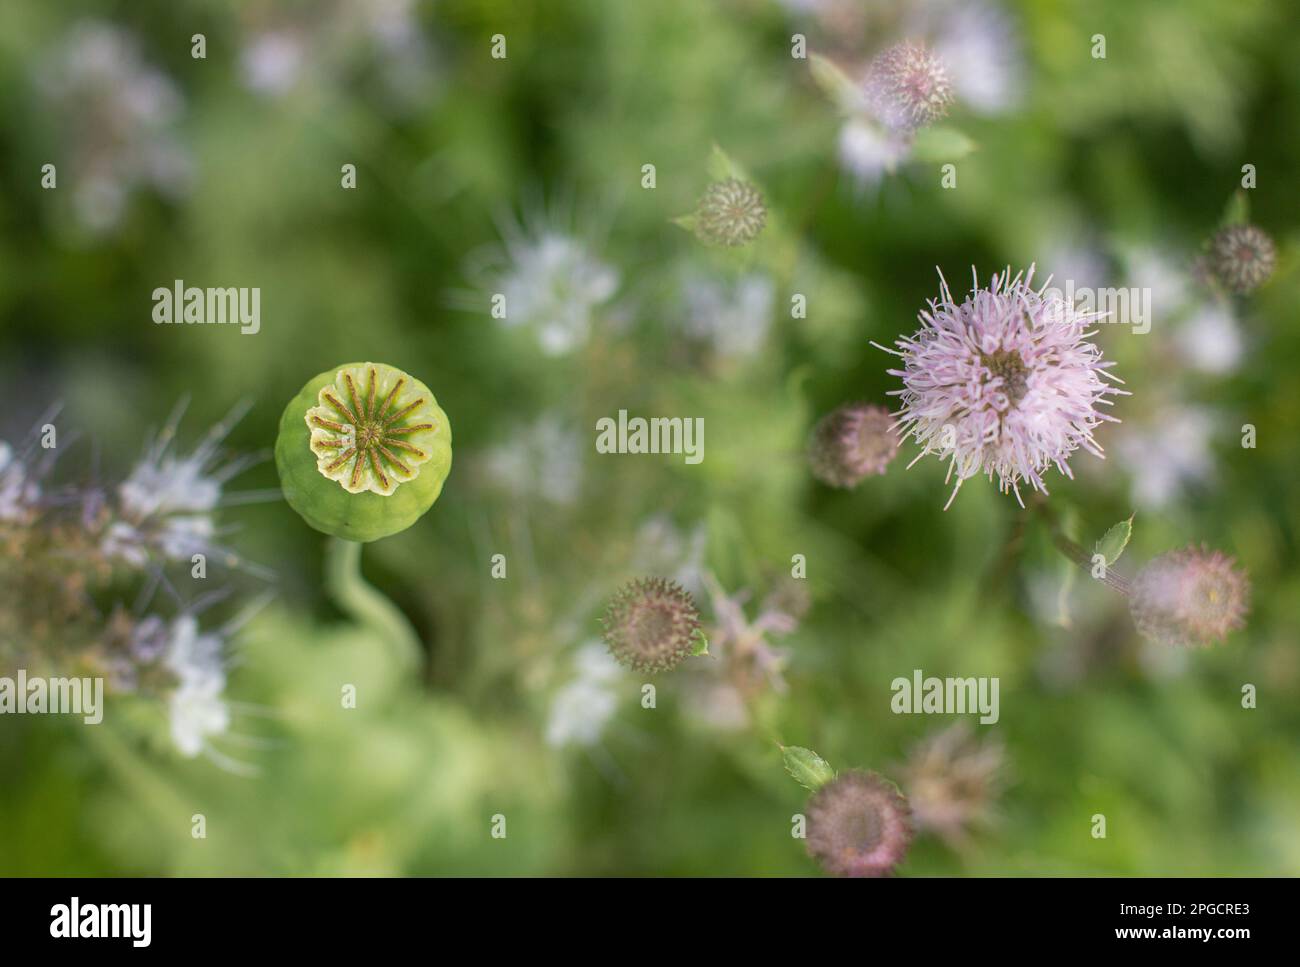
x=731, y=213
x=908, y=87
x=1242, y=257
x=1191, y=597
x=652, y=625
x=851, y=443
x=859, y=824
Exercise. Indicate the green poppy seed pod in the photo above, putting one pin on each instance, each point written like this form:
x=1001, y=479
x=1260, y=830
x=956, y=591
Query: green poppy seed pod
x=363, y=451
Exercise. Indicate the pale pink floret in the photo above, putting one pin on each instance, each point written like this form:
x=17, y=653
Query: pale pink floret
x=1005, y=383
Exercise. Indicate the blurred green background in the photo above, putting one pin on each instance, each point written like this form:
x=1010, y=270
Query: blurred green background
x=524, y=175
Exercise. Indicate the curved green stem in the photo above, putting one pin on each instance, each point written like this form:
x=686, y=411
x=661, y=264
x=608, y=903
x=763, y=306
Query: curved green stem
x=365, y=605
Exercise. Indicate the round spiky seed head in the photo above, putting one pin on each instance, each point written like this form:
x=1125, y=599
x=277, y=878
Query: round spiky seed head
x=1242, y=257
x=851, y=443
x=731, y=213
x=652, y=625
x=908, y=87
x=1190, y=597
x=859, y=824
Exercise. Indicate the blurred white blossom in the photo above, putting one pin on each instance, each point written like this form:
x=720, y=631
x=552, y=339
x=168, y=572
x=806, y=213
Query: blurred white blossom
x=542, y=459
x=664, y=549
x=733, y=316
x=18, y=494
x=198, y=710
x=583, y=706
x=117, y=119
x=1167, y=453
x=979, y=44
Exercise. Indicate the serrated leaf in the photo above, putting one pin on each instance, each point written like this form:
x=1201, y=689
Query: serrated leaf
x=1113, y=542
x=941, y=143
x=806, y=767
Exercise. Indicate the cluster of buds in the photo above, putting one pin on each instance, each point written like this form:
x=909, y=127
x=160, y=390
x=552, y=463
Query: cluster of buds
x=69, y=556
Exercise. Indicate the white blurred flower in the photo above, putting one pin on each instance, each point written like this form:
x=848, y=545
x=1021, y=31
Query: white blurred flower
x=316, y=49
x=272, y=61
x=165, y=505
x=543, y=459
x=1167, y=454
x=980, y=46
x=1210, y=339
x=582, y=708
x=867, y=152
x=553, y=284
x=197, y=708
x=18, y=494
x=733, y=316
x=1072, y=262
x=1160, y=272
x=117, y=117
x=665, y=550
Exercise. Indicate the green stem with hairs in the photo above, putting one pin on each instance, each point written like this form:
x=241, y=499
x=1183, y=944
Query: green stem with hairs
x=365, y=605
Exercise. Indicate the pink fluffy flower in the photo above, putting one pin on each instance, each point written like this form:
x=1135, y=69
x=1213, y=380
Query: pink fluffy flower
x=1005, y=383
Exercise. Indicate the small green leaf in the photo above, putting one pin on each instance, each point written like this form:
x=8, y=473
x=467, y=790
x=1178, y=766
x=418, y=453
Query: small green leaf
x=701, y=646
x=1237, y=211
x=941, y=143
x=1113, y=542
x=806, y=767
x=685, y=221
x=722, y=166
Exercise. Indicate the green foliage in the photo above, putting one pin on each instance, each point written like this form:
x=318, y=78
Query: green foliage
x=1131, y=154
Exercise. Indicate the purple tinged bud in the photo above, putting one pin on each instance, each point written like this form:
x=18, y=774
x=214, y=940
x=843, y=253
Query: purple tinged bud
x=652, y=625
x=851, y=443
x=859, y=824
x=908, y=87
x=1191, y=597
